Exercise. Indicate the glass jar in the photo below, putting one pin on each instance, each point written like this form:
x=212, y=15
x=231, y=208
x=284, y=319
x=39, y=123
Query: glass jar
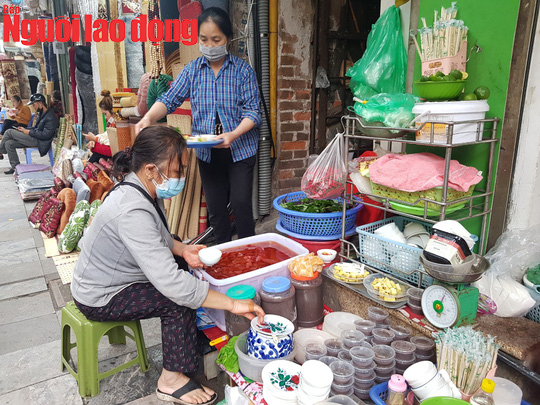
x=237, y=324
x=278, y=297
x=309, y=301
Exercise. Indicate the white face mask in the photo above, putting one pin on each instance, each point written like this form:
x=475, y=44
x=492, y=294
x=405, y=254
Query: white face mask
x=213, y=53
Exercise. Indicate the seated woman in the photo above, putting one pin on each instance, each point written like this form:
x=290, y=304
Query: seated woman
x=19, y=118
x=99, y=145
x=127, y=270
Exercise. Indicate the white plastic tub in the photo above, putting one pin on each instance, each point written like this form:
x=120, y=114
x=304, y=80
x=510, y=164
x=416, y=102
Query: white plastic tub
x=450, y=111
x=253, y=278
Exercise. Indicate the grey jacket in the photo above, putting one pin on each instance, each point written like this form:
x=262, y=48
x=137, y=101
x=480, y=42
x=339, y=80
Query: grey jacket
x=128, y=243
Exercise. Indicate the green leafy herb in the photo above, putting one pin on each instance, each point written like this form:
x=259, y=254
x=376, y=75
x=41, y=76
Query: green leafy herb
x=309, y=205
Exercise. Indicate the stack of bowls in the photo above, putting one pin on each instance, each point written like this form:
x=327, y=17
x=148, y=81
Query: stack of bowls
x=414, y=296
x=385, y=360
x=333, y=347
x=366, y=327
x=404, y=354
x=382, y=336
x=304, y=337
x=314, y=351
x=335, y=322
x=416, y=235
x=401, y=332
x=315, y=382
x=379, y=316
x=343, y=378
x=425, y=348
x=364, y=376
x=280, y=382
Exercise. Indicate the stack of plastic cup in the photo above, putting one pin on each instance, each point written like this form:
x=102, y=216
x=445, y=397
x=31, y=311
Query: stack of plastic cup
x=343, y=378
x=385, y=360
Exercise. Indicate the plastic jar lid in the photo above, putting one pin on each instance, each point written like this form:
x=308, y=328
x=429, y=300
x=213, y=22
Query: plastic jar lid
x=241, y=292
x=276, y=284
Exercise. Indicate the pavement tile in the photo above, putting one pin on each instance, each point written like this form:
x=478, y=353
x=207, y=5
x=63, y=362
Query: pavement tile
x=22, y=288
x=57, y=391
x=11, y=246
x=20, y=309
x=22, y=271
x=12, y=213
x=27, y=367
x=151, y=399
x=48, y=267
x=16, y=229
x=18, y=257
x=29, y=333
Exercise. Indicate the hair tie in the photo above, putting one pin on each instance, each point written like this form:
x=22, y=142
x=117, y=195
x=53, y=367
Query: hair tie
x=128, y=151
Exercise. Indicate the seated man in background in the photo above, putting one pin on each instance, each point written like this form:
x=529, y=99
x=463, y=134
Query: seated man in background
x=40, y=136
x=19, y=117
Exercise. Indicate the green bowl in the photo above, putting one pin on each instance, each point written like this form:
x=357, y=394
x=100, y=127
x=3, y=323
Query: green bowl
x=443, y=401
x=440, y=91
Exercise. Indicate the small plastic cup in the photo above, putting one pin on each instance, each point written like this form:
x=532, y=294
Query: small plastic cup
x=379, y=380
x=365, y=344
x=328, y=359
x=430, y=357
x=314, y=351
x=343, y=372
x=364, y=372
x=364, y=384
x=417, y=310
x=347, y=394
x=361, y=356
x=401, y=332
x=344, y=355
x=424, y=345
x=414, y=296
x=333, y=347
x=384, y=355
x=404, y=350
x=382, y=336
x=365, y=326
x=402, y=365
x=362, y=394
x=385, y=371
x=352, y=338
x=377, y=315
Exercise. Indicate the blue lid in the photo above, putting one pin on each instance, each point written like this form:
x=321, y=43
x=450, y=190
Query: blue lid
x=276, y=284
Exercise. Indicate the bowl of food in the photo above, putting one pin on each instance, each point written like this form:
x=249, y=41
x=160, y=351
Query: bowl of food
x=440, y=90
x=327, y=255
x=210, y=256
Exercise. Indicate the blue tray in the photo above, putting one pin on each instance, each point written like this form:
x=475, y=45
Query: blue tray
x=280, y=228
x=201, y=145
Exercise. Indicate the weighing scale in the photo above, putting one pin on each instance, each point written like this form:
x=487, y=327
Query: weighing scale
x=445, y=305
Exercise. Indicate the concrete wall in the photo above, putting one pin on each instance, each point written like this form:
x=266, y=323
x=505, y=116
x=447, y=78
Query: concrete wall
x=525, y=191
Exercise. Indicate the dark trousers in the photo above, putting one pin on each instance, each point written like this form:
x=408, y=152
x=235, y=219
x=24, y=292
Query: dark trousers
x=96, y=156
x=13, y=140
x=224, y=180
x=178, y=323
x=9, y=124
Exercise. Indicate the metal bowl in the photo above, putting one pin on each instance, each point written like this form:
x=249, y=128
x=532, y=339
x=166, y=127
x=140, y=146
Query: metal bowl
x=469, y=271
x=377, y=129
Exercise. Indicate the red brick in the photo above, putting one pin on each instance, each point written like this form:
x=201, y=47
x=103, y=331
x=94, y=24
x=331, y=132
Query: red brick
x=285, y=116
x=292, y=84
x=303, y=94
x=292, y=127
x=289, y=60
x=286, y=174
x=286, y=37
x=285, y=155
x=290, y=183
x=288, y=48
x=286, y=71
x=290, y=106
x=285, y=94
x=300, y=154
x=287, y=136
x=302, y=116
x=302, y=136
x=291, y=164
x=296, y=146
x=299, y=172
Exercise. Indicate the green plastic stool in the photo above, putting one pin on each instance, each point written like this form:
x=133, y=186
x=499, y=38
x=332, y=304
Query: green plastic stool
x=88, y=334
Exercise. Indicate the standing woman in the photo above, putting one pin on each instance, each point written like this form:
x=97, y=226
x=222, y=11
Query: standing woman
x=19, y=118
x=224, y=101
x=101, y=147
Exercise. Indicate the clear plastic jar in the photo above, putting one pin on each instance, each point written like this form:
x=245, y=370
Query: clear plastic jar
x=278, y=297
x=309, y=301
x=237, y=324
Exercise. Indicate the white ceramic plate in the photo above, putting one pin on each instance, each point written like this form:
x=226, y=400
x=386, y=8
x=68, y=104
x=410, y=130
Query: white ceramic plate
x=334, y=319
x=282, y=377
x=274, y=325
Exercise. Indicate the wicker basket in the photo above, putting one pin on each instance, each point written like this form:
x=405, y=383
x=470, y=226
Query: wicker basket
x=180, y=121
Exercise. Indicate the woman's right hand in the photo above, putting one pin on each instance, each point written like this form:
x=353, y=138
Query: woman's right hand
x=143, y=123
x=247, y=308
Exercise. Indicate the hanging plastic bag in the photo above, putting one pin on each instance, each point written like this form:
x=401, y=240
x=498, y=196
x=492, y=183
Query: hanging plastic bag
x=325, y=177
x=393, y=110
x=382, y=68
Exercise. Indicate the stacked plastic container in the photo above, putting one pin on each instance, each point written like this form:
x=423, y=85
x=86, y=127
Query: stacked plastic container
x=425, y=348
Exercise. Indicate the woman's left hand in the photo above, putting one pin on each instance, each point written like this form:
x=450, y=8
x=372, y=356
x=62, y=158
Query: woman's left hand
x=191, y=255
x=228, y=138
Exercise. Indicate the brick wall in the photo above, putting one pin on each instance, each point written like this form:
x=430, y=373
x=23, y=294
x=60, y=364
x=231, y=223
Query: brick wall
x=293, y=94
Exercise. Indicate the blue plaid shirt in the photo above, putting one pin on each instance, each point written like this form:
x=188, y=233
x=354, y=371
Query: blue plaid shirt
x=233, y=94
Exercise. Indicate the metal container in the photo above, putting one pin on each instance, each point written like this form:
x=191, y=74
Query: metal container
x=469, y=271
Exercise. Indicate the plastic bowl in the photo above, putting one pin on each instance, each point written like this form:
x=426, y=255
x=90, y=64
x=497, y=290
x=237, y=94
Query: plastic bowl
x=352, y=338
x=362, y=372
x=328, y=359
x=415, y=296
x=416, y=309
x=343, y=372
x=366, y=344
x=385, y=371
x=384, y=355
x=429, y=357
x=361, y=356
x=362, y=394
x=382, y=336
x=364, y=384
x=314, y=351
x=344, y=355
x=424, y=345
x=402, y=365
x=251, y=367
x=365, y=326
x=377, y=315
x=333, y=347
x=342, y=389
x=401, y=332
x=404, y=350
x=210, y=256
x=440, y=91
x=379, y=380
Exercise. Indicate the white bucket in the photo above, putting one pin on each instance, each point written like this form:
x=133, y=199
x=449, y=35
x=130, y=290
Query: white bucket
x=450, y=111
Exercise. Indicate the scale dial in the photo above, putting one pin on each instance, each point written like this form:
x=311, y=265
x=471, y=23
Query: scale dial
x=440, y=306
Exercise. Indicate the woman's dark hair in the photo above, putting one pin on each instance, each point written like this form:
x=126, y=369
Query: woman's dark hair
x=219, y=17
x=155, y=144
x=106, y=102
x=16, y=98
x=56, y=95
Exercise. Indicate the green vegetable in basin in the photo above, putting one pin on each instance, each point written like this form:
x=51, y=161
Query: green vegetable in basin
x=315, y=206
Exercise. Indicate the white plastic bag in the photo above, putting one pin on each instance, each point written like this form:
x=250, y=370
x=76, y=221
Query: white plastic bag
x=235, y=396
x=325, y=177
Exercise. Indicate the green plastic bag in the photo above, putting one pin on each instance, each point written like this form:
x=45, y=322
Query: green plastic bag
x=393, y=110
x=227, y=357
x=383, y=67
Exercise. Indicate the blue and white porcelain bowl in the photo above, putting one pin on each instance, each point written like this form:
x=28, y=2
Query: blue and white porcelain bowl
x=271, y=340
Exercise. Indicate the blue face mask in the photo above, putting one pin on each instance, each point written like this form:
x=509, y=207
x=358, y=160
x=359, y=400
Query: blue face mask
x=169, y=188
